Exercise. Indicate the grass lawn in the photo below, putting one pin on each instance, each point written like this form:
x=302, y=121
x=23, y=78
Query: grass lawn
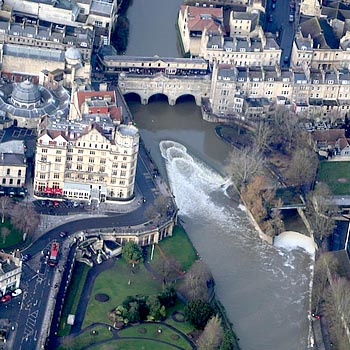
x=115, y=283
x=133, y=345
x=88, y=338
x=151, y=331
x=73, y=295
x=178, y=246
x=336, y=175
x=13, y=238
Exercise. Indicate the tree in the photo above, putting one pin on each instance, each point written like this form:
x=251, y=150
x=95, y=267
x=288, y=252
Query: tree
x=228, y=341
x=211, y=337
x=133, y=313
x=6, y=204
x=195, y=285
x=325, y=265
x=24, y=218
x=337, y=311
x=132, y=252
x=262, y=137
x=156, y=310
x=166, y=268
x=120, y=35
x=320, y=213
x=198, y=313
x=303, y=166
x=168, y=297
x=4, y=233
x=244, y=164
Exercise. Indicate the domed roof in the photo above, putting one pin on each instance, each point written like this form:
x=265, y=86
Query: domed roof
x=26, y=92
x=73, y=54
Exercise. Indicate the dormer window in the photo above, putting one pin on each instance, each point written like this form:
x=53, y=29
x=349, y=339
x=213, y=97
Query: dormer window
x=330, y=82
x=242, y=49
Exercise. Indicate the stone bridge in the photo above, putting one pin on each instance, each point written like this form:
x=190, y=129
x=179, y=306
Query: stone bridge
x=148, y=76
x=173, y=87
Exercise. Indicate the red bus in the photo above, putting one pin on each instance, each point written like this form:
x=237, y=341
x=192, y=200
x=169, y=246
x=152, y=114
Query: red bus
x=53, y=259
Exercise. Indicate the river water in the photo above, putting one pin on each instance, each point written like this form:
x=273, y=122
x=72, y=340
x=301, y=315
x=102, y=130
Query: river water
x=264, y=289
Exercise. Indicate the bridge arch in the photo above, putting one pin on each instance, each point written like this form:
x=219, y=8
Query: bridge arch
x=133, y=96
x=158, y=97
x=185, y=97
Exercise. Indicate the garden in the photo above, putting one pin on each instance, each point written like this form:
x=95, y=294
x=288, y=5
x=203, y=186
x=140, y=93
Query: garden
x=134, y=304
x=336, y=175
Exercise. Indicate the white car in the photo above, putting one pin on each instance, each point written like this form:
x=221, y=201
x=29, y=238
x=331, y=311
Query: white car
x=16, y=292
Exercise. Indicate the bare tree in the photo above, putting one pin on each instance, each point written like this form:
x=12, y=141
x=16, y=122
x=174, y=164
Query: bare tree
x=262, y=137
x=167, y=268
x=244, y=164
x=303, y=166
x=325, y=266
x=337, y=311
x=320, y=213
x=4, y=233
x=196, y=281
x=6, y=204
x=25, y=218
x=211, y=337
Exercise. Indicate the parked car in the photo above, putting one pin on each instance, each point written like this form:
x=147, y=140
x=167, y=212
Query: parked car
x=56, y=203
x=5, y=298
x=270, y=19
x=26, y=257
x=273, y=5
x=16, y=292
x=63, y=234
x=291, y=18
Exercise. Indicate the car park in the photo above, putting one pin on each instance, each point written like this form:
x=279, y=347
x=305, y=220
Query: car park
x=5, y=298
x=16, y=292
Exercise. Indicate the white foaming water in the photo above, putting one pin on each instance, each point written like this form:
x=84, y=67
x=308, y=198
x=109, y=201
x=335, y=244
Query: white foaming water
x=258, y=283
x=292, y=240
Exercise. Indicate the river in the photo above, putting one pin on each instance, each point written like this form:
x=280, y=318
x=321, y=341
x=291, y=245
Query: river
x=264, y=289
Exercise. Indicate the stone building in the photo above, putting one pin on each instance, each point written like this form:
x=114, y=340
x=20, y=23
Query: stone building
x=89, y=157
x=26, y=102
x=193, y=20
x=10, y=271
x=13, y=165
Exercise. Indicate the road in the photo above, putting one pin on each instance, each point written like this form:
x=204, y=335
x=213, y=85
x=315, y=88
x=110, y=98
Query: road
x=280, y=24
x=38, y=276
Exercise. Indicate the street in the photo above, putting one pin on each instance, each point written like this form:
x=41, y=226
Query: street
x=280, y=24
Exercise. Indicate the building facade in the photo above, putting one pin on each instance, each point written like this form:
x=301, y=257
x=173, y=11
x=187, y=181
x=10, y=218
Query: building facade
x=88, y=157
x=10, y=271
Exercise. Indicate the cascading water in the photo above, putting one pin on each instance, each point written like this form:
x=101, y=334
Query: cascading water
x=255, y=281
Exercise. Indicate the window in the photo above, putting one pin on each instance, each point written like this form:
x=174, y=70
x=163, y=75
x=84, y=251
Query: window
x=91, y=160
x=58, y=151
x=90, y=169
x=3, y=181
x=98, y=23
x=19, y=172
x=92, y=152
x=80, y=151
x=102, y=169
x=44, y=150
x=18, y=182
x=103, y=161
x=80, y=159
x=79, y=167
x=69, y=158
x=123, y=173
x=11, y=181
x=56, y=176
x=8, y=171
x=58, y=159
